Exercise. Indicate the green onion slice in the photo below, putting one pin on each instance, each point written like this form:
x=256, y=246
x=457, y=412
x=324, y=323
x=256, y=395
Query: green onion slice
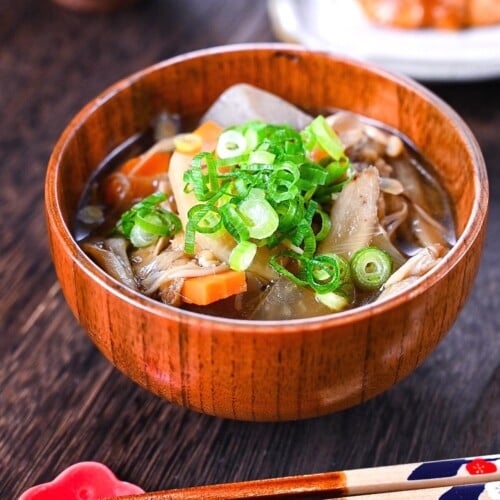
x=323, y=274
x=242, y=256
x=231, y=143
x=309, y=242
x=344, y=269
x=304, y=226
x=346, y=287
x=205, y=218
x=140, y=238
x=234, y=223
x=337, y=169
x=326, y=225
x=189, y=238
x=127, y=220
x=262, y=186
x=261, y=157
x=161, y=222
x=202, y=177
x=146, y=221
x=333, y=301
x=280, y=269
x=263, y=219
x=370, y=268
x=319, y=132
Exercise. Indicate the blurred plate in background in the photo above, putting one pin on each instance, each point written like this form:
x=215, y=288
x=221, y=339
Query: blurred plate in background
x=341, y=27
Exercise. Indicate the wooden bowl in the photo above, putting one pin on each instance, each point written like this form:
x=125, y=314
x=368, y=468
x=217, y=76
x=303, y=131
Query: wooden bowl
x=266, y=371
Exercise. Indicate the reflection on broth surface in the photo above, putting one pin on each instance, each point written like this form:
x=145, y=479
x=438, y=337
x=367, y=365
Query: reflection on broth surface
x=265, y=212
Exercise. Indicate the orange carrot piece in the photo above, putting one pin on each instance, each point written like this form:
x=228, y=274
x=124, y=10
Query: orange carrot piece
x=209, y=131
x=141, y=187
x=207, y=289
x=120, y=189
x=116, y=189
x=129, y=165
x=129, y=183
x=156, y=164
x=139, y=180
x=318, y=154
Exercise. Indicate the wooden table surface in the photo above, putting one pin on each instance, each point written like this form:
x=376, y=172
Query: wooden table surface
x=62, y=402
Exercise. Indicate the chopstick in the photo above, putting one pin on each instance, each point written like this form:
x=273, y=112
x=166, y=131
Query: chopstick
x=488, y=491
x=376, y=483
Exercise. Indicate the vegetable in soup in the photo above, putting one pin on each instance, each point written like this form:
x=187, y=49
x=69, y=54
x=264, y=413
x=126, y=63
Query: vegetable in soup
x=273, y=215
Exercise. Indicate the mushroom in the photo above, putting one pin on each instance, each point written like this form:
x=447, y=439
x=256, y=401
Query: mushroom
x=111, y=255
x=412, y=269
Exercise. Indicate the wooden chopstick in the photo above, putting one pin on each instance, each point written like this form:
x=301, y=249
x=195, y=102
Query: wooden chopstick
x=370, y=482
x=488, y=491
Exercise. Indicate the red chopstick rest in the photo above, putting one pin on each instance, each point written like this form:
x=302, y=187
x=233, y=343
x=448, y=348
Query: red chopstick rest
x=82, y=481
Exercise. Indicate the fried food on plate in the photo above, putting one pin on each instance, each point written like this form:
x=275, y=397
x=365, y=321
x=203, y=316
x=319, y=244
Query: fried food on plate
x=440, y=14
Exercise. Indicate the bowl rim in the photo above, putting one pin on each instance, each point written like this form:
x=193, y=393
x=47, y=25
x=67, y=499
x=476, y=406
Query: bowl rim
x=471, y=231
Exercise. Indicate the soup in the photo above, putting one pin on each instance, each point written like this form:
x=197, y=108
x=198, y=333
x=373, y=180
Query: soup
x=264, y=212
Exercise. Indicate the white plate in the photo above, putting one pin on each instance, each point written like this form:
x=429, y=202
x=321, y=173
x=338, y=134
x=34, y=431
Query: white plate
x=341, y=27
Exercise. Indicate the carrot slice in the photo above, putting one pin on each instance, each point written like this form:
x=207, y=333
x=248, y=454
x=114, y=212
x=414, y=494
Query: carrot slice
x=132, y=181
x=318, y=154
x=156, y=164
x=209, y=132
x=207, y=289
x=129, y=165
x=120, y=189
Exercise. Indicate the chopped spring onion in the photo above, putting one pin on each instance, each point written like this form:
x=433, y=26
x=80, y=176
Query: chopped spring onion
x=261, y=157
x=320, y=133
x=146, y=221
x=370, y=268
x=262, y=187
x=231, y=143
x=304, y=226
x=323, y=273
x=308, y=242
x=333, y=301
x=279, y=268
x=344, y=269
x=203, y=180
x=326, y=225
x=205, y=218
x=290, y=212
x=337, y=169
x=242, y=256
x=234, y=223
x=265, y=187
x=202, y=219
x=262, y=217
x=140, y=238
x=159, y=222
x=283, y=182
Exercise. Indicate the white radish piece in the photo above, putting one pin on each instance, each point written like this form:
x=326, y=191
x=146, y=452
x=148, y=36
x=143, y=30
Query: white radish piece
x=243, y=102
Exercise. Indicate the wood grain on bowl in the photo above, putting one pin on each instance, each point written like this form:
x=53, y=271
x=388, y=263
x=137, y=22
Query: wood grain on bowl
x=266, y=371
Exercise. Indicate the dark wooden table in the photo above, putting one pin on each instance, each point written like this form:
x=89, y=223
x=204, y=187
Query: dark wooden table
x=61, y=402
